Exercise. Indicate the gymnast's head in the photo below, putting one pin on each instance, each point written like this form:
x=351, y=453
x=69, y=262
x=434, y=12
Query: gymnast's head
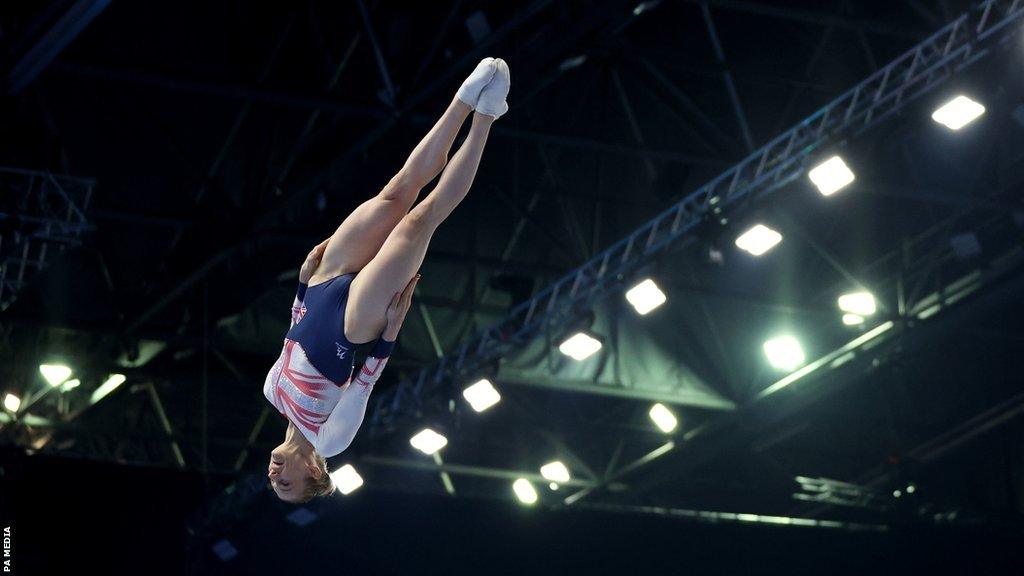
x=298, y=474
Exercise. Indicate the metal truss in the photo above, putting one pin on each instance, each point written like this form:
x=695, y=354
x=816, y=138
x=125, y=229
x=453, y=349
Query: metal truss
x=967, y=39
x=46, y=211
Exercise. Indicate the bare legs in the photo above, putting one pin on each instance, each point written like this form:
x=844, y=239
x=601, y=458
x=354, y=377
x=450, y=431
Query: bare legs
x=402, y=252
x=358, y=239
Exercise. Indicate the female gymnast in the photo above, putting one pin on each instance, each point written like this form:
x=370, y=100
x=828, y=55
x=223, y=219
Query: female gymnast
x=362, y=270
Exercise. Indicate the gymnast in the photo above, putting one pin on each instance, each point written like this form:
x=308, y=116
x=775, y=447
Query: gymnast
x=356, y=287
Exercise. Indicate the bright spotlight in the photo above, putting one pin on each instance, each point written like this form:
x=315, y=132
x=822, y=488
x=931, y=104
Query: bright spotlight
x=896, y=493
x=12, y=403
x=346, y=479
x=55, y=374
x=555, y=471
x=481, y=395
x=663, y=418
x=580, y=346
x=428, y=441
x=831, y=176
x=784, y=352
x=645, y=296
x=911, y=488
x=71, y=385
x=524, y=491
x=758, y=239
x=852, y=319
x=859, y=303
x=958, y=112
x=107, y=387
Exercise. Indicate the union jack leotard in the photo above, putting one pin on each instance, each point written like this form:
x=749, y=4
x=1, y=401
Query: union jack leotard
x=311, y=383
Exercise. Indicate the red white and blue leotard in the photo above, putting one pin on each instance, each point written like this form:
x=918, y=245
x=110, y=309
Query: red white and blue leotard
x=311, y=383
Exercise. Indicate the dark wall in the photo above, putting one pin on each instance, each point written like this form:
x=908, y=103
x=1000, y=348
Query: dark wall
x=76, y=516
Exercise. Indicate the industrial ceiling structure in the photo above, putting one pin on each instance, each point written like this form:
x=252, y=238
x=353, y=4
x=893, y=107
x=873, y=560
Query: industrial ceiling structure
x=165, y=175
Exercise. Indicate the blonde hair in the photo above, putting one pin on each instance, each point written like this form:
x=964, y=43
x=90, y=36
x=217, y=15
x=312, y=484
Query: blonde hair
x=323, y=486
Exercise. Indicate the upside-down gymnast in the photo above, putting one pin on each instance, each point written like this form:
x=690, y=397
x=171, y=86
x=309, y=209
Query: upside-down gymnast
x=355, y=287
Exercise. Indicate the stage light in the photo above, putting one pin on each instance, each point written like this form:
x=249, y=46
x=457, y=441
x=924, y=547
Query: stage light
x=346, y=479
x=428, y=441
x=572, y=62
x=831, y=176
x=55, y=374
x=71, y=385
x=645, y=6
x=852, y=319
x=758, y=239
x=580, y=346
x=12, y=403
x=663, y=418
x=481, y=395
x=784, y=352
x=645, y=296
x=958, y=112
x=225, y=550
x=301, y=516
x=896, y=493
x=555, y=471
x=911, y=488
x=107, y=387
x=524, y=491
x=859, y=303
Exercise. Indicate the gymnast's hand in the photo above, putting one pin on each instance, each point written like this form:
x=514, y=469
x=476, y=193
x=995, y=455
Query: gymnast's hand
x=396, y=311
x=312, y=262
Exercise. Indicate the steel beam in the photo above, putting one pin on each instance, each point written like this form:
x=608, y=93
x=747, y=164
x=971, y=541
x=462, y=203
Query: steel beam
x=815, y=18
x=63, y=32
x=730, y=86
x=782, y=160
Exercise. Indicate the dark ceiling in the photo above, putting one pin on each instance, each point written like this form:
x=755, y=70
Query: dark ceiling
x=225, y=140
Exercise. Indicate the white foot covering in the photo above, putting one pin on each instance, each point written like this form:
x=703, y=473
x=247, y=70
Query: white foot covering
x=492, y=98
x=470, y=90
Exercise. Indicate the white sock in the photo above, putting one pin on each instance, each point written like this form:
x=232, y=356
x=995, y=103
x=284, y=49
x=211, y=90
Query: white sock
x=492, y=98
x=469, y=92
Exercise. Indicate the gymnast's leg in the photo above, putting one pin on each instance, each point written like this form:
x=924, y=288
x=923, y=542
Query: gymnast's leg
x=402, y=252
x=363, y=232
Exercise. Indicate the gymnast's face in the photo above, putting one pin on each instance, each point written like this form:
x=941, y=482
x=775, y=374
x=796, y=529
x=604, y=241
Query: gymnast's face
x=288, y=472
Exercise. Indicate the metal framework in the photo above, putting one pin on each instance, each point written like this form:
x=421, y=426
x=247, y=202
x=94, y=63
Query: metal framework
x=47, y=211
x=962, y=42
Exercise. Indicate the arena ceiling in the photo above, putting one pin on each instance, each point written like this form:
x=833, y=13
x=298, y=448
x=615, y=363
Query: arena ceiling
x=220, y=147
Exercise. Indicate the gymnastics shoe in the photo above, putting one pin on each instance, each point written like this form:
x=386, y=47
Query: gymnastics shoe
x=492, y=98
x=470, y=90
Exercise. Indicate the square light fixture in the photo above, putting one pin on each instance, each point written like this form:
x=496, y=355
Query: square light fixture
x=663, y=418
x=784, y=352
x=958, y=112
x=580, y=346
x=555, y=472
x=758, y=239
x=55, y=374
x=524, y=491
x=831, y=176
x=428, y=441
x=346, y=479
x=481, y=395
x=645, y=296
x=852, y=319
x=12, y=402
x=859, y=303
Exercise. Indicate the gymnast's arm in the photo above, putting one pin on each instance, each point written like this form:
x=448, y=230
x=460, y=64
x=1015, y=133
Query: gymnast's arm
x=309, y=266
x=337, y=432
